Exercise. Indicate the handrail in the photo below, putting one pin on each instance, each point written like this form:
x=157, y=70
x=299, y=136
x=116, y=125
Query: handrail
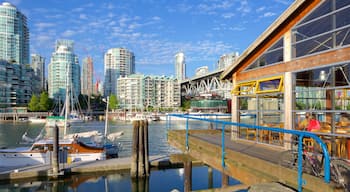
x=301, y=135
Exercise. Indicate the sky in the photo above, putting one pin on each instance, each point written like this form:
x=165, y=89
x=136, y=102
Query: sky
x=154, y=30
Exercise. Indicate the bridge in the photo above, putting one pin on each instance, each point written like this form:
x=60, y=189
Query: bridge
x=249, y=162
x=207, y=84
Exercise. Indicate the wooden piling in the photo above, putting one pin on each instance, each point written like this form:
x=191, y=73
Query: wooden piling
x=147, y=166
x=141, y=152
x=210, y=178
x=188, y=175
x=135, y=149
x=55, y=164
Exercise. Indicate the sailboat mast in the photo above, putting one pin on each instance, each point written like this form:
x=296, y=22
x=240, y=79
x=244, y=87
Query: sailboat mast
x=67, y=101
x=106, y=120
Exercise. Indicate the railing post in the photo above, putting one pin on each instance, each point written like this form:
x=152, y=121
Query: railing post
x=300, y=163
x=223, y=146
x=216, y=123
x=187, y=134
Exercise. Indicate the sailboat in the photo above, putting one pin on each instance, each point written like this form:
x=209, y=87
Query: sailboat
x=40, y=151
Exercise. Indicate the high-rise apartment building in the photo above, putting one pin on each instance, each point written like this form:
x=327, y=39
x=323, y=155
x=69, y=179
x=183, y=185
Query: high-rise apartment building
x=15, y=73
x=226, y=60
x=119, y=62
x=180, y=66
x=14, y=35
x=87, y=85
x=38, y=65
x=64, y=65
x=140, y=91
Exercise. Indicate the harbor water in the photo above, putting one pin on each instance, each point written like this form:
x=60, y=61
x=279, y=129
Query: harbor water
x=160, y=180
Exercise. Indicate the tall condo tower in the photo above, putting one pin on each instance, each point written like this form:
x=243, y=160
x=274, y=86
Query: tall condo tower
x=63, y=62
x=15, y=76
x=180, y=66
x=119, y=62
x=87, y=76
x=14, y=35
x=38, y=65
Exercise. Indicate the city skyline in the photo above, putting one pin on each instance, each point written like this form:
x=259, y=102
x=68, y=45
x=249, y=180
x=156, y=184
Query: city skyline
x=154, y=31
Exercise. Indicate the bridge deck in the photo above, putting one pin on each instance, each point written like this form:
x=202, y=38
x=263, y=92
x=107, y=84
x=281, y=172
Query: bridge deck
x=249, y=162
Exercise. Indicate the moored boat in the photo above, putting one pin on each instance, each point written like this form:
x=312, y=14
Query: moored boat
x=40, y=153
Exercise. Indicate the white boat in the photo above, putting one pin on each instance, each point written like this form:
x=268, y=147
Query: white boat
x=137, y=117
x=39, y=153
x=37, y=120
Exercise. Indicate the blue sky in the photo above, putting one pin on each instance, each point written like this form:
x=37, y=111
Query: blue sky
x=155, y=30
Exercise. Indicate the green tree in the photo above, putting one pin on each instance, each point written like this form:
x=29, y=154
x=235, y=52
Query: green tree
x=186, y=105
x=44, y=103
x=34, y=104
x=113, y=102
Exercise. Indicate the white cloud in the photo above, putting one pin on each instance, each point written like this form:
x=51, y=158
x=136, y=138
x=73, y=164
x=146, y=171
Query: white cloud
x=244, y=7
x=83, y=16
x=268, y=14
x=43, y=25
x=260, y=9
x=237, y=28
x=285, y=2
x=68, y=33
x=228, y=15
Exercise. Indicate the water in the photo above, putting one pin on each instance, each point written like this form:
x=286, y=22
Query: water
x=11, y=133
x=160, y=180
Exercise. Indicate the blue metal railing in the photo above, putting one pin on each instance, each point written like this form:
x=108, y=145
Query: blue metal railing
x=300, y=134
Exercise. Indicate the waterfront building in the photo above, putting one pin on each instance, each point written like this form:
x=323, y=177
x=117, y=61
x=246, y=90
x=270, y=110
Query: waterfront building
x=38, y=65
x=63, y=62
x=226, y=60
x=118, y=62
x=139, y=92
x=299, y=65
x=87, y=77
x=180, y=66
x=15, y=72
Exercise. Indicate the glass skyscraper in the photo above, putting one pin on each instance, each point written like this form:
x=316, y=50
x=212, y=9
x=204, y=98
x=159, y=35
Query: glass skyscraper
x=119, y=62
x=15, y=73
x=63, y=62
x=14, y=35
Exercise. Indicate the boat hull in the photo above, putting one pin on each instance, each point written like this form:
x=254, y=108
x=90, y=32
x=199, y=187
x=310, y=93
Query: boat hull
x=18, y=159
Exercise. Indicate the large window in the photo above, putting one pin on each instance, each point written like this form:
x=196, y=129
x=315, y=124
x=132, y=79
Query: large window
x=272, y=56
x=323, y=92
x=261, y=103
x=327, y=27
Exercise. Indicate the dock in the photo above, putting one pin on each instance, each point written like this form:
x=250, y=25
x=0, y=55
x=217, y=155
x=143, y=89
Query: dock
x=109, y=165
x=249, y=162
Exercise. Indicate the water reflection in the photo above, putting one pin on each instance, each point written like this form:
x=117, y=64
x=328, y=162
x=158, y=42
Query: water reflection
x=159, y=180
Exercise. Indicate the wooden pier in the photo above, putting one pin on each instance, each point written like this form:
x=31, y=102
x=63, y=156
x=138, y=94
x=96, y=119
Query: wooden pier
x=249, y=162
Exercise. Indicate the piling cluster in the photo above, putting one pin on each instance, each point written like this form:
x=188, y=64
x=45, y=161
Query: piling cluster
x=140, y=167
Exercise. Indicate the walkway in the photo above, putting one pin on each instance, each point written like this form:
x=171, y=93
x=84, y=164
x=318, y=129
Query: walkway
x=249, y=162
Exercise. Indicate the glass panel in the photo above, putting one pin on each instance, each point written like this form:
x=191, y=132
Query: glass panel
x=314, y=45
x=323, y=9
x=310, y=98
x=319, y=26
x=343, y=18
x=269, y=85
x=274, y=56
x=343, y=37
x=342, y=3
x=342, y=99
x=342, y=75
